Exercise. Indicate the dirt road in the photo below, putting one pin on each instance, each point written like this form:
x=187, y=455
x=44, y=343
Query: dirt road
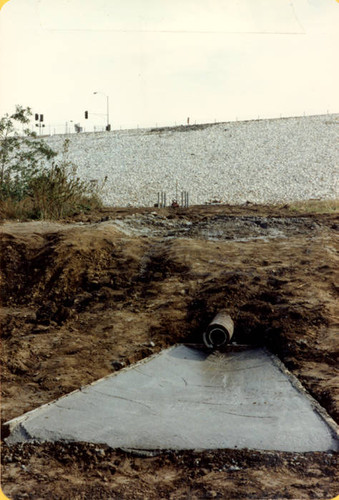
x=87, y=296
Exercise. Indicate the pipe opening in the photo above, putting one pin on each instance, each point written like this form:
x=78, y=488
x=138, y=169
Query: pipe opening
x=218, y=336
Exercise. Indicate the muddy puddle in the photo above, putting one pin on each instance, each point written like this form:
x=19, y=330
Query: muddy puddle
x=215, y=228
x=155, y=225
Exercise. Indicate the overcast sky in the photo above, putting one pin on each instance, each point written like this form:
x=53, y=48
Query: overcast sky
x=161, y=61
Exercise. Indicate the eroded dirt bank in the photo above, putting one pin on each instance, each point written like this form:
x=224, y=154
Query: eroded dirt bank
x=89, y=296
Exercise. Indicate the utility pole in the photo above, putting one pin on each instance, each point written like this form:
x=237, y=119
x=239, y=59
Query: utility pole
x=108, y=126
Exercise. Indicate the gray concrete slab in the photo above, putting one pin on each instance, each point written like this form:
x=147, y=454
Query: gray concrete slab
x=185, y=398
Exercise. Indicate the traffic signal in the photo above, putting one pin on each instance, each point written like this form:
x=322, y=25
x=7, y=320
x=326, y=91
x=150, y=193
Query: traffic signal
x=86, y=114
x=41, y=118
x=36, y=116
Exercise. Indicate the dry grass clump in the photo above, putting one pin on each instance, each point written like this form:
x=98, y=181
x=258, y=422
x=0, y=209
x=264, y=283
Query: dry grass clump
x=58, y=192
x=315, y=206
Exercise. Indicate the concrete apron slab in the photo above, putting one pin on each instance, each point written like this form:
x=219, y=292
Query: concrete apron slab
x=185, y=398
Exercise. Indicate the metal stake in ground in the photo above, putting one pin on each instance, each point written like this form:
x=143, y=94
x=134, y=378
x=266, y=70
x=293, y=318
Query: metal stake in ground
x=161, y=199
x=184, y=199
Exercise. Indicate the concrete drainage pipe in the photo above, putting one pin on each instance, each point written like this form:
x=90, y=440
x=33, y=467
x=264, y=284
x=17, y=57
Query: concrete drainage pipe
x=220, y=331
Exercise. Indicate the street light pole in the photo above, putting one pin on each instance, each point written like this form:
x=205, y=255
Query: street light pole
x=107, y=108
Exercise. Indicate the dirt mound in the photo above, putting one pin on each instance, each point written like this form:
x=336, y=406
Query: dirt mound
x=81, y=300
x=81, y=470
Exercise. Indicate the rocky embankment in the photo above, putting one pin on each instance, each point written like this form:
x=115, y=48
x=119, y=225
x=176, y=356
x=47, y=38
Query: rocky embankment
x=261, y=161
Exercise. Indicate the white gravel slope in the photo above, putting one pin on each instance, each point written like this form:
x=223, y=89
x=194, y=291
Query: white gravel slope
x=260, y=161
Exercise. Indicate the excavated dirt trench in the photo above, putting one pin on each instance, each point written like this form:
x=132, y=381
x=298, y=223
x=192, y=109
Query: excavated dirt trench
x=87, y=297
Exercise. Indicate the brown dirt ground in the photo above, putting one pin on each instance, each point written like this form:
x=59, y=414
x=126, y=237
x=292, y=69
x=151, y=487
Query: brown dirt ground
x=86, y=296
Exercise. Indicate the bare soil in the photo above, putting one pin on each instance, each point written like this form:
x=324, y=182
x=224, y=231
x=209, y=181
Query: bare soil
x=88, y=296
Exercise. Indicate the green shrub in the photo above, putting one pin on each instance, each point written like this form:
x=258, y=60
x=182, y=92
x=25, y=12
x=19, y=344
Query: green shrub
x=58, y=191
x=31, y=186
x=22, y=156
